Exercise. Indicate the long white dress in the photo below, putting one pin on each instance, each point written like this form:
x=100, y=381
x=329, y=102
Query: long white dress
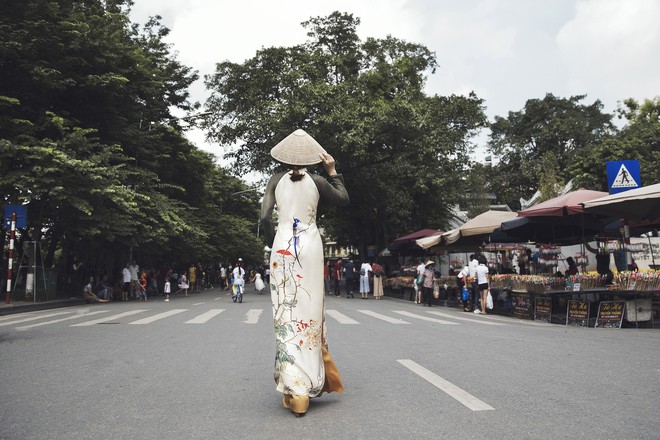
x=296, y=282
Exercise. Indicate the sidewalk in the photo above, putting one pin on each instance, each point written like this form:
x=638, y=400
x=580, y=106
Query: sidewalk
x=29, y=306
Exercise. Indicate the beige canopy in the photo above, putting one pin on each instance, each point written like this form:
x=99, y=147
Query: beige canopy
x=483, y=224
x=639, y=203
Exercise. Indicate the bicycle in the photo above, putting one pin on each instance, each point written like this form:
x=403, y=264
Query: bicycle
x=238, y=294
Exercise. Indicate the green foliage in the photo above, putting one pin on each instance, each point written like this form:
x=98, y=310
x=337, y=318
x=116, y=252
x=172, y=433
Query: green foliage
x=563, y=128
x=638, y=140
x=89, y=142
x=398, y=149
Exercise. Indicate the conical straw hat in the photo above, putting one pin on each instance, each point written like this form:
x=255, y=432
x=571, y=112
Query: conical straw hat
x=298, y=148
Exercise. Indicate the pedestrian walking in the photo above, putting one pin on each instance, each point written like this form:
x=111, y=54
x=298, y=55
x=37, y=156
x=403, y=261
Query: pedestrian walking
x=303, y=366
x=365, y=273
x=379, y=274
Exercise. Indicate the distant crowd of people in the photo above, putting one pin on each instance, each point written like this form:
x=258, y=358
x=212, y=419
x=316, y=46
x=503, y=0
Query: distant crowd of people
x=135, y=284
x=365, y=279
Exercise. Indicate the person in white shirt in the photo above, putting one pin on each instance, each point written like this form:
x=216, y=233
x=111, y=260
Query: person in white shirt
x=365, y=269
x=483, y=282
x=462, y=281
x=126, y=279
x=239, y=278
x=474, y=263
x=418, y=289
x=167, y=290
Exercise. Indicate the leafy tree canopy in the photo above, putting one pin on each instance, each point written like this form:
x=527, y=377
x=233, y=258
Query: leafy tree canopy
x=401, y=151
x=89, y=142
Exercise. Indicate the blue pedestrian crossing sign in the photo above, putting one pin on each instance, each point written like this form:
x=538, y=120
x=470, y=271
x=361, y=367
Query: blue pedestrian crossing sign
x=623, y=175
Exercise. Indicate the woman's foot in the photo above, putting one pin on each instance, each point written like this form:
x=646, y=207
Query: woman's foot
x=296, y=403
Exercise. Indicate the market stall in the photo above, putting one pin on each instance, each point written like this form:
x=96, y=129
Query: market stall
x=632, y=299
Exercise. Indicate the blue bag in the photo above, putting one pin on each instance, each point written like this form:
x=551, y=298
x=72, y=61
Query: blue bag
x=465, y=294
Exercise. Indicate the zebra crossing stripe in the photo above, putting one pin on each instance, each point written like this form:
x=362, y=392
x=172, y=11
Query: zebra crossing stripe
x=33, y=318
x=383, y=317
x=424, y=318
x=340, y=317
x=205, y=317
x=153, y=318
x=452, y=390
x=107, y=318
x=252, y=316
x=68, y=318
x=460, y=318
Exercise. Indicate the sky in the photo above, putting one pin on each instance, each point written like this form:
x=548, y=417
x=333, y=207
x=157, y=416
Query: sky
x=506, y=51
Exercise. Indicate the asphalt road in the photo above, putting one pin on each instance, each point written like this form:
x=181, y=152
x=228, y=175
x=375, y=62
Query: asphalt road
x=185, y=370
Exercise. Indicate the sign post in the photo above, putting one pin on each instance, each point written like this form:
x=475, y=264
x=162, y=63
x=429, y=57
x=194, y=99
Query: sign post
x=11, y=256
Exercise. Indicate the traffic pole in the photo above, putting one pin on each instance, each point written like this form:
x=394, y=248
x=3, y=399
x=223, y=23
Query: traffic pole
x=11, y=256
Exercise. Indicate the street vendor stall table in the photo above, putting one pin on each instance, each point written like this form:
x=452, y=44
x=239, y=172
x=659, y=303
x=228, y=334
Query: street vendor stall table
x=581, y=300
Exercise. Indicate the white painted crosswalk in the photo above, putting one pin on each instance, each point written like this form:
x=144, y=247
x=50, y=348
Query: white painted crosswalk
x=157, y=317
x=55, y=321
x=108, y=318
x=252, y=316
x=205, y=315
x=383, y=317
x=340, y=317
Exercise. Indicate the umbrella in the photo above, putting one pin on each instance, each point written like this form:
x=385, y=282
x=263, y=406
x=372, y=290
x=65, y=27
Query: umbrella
x=407, y=244
x=567, y=204
x=560, y=220
x=406, y=239
x=640, y=203
x=472, y=232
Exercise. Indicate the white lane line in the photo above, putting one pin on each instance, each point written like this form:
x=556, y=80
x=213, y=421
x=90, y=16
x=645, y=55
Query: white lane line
x=199, y=304
x=252, y=316
x=68, y=318
x=33, y=318
x=107, y=318
x=452, y=390
x=158, y=316
x=460, y=318
x=424, y=318
x=205, y=317
x=383, y=317
x=215, y=299
x=340, y=317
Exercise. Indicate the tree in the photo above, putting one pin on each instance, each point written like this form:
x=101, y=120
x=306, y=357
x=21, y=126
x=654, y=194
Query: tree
x=565, y=128
x=638, y=140
x=89, y=142
x=400, y=151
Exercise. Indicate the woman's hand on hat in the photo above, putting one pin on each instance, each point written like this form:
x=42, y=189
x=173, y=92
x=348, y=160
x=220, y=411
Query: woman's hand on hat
x=328, y=163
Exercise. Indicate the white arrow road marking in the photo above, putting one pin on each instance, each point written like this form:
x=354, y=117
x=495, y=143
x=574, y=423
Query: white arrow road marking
x=383, y=317
x=107, y=318
x=252, y=316
x=452, y=390
x=425, y=318
x=81, y=315
x=158, y=316
x=340, y=317
x=205, y=317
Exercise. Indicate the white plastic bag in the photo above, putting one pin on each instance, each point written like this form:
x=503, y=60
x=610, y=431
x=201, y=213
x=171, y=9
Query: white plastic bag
x=489, y=301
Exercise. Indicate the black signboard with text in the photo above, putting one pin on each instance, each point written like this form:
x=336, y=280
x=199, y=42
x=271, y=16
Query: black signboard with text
x=542, y=309
x=577, y=313
x=610, y=314
x=522, y=305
